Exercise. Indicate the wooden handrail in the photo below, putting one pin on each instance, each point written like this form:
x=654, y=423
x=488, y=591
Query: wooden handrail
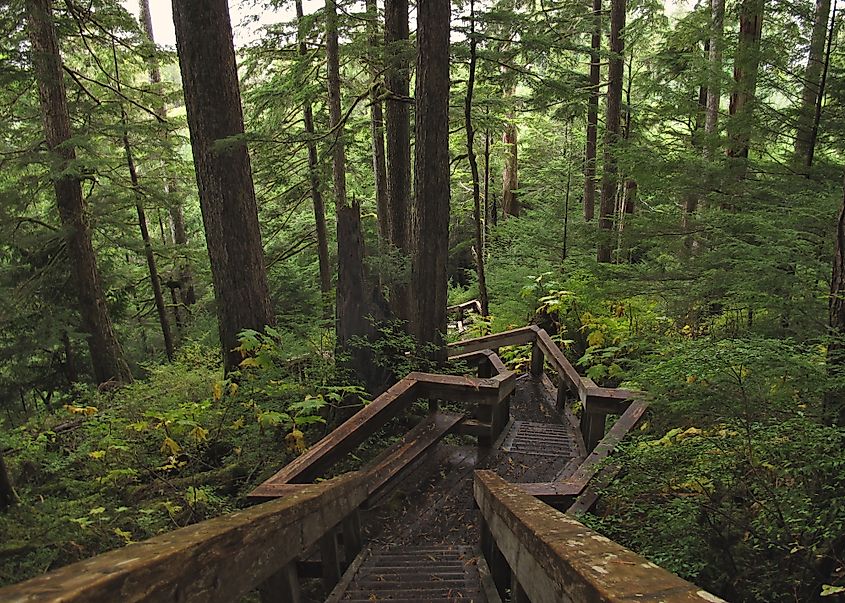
x=552, y=557
x=344, y=439
x=220, y=559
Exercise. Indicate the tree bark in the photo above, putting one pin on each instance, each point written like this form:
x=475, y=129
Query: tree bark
x=743, y=98
x=814, y=132
x=106, y=354
x=833, y=401
x=398, y=130
x=610, y=183
x=714, y=76
x=222, y=165
x=510, y=172
x=152, y=268
x=351, y=308
x=812, y=83
x=593, y=115
x=473, y=166
x=175, y=209
x=431, y=209
x=8, y=496
x=377, y=124
x=314, y=180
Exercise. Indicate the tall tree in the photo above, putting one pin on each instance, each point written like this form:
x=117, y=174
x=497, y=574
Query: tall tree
x=431, y=209
x=152, y=267
x=398, y=131
x=314, y=181
x=510, y=169
x=593, y=114
x=473, y=165
x=377, y=123
x=714, y=75
x=175, y=209
x=610, y=184
x=743, y=97
x=106, y=354
x=834, y=398
x=815, y=78
x=351, y=308
x=222, y=165
x=8, y=496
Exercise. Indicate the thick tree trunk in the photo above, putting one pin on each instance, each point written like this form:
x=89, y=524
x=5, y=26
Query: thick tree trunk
x=8, y=496
x=177, y=216
x=835, y=397
x=398, y=130
x=473, y=165
x=152, y=268
x=106, y=355
x=487, y=207
x=431, y=210
x=714, y=76
x=314, y=180
x=743, y=98
x=812, y=83
x=609, y=184
x=377, y=124
x=224, y=176
x=593, y=115
x=351, y=308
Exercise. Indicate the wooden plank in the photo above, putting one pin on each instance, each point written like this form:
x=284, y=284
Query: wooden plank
x=590, y=495
x=564, y=368
x=557, y=558
x=615, y=435
x=475, y=428
x=387, y=466
x=330, y=558
x=514, y=337
x=507, y=384
x=608, y=400
x=218, y=560
x=457, y=388
x=552, y=492
x=497, y=363
x=345, y=438
x=340, y=589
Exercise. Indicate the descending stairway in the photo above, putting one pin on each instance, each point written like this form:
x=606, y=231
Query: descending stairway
x=412, y=574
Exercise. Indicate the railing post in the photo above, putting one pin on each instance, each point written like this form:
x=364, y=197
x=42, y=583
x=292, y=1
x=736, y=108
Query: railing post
x=281, y=587
x=517, y=592
x=352, y=542
x=500, y=571
x=560, y=401
x=330, y=557
x=592, y=428
x=537, y=360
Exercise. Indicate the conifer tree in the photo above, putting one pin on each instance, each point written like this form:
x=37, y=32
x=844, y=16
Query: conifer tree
x=222, y=165
x=812, y=84
x=431, y=209
x=106, y=354
x=593, y=114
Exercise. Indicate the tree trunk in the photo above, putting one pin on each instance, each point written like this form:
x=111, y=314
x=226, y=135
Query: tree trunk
x=224, y=175
x=746, y=65
x=833, y=401
x=473, y=166
x=351, y=309
x=177, y=216
x=377, y=124
x=152, y=268
x=609, y=184
x=812, y=83
x=106, y=354
x=8, y=496
x=593, y=115
x=398, y=130
x=814, y=132
x=431, y=210
x=487, y=206
x=690, y=197
x=714, y=76
x=510, y=172
x=314, y=179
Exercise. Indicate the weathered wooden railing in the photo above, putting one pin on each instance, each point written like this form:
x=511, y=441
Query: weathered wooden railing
x=542, y=555
x=220, y=559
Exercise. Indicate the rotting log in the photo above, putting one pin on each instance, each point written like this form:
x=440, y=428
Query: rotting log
x=218, y=560
x=556, y=558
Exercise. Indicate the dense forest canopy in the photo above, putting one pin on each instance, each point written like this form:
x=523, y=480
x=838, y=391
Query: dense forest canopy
x=210, y=252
